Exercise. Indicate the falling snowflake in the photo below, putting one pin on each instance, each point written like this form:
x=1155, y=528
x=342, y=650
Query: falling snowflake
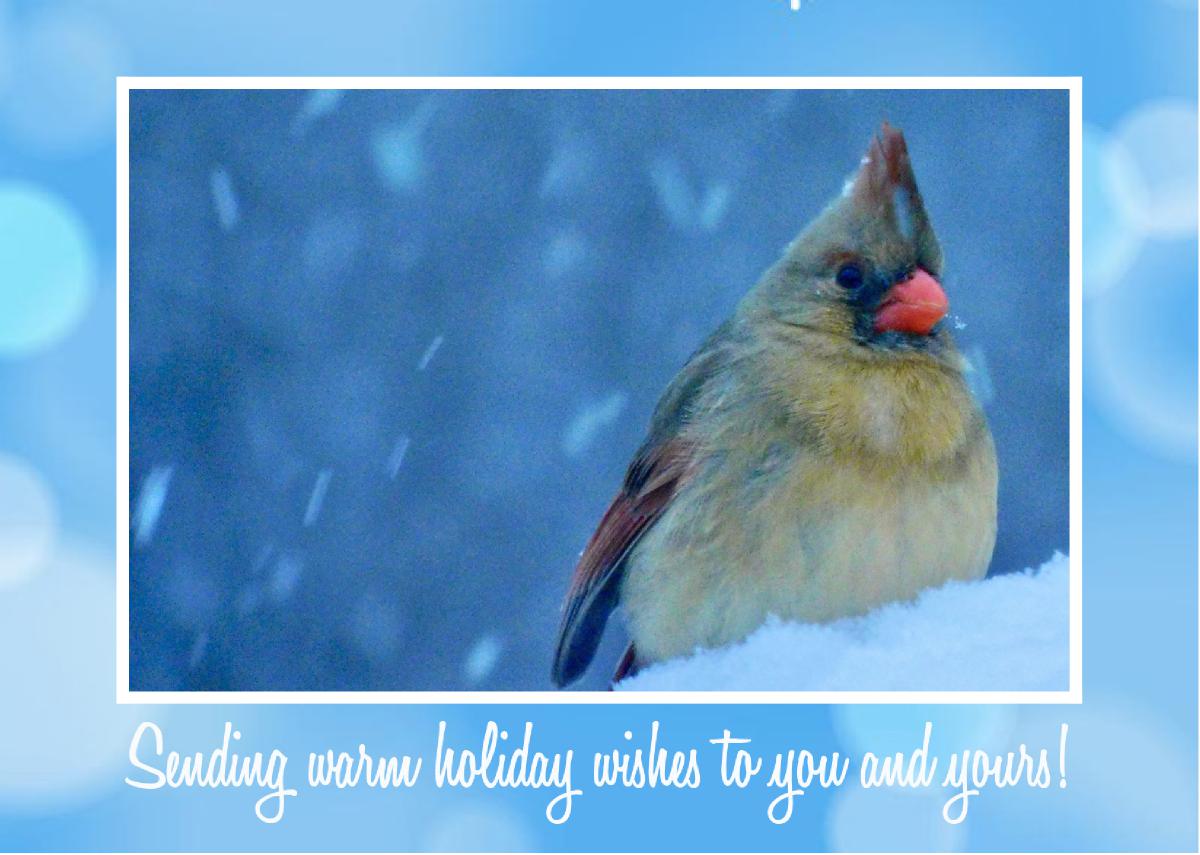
x=318, y=104
x=590, y=420
x=150, y=503
x=482, y=659
x=428, y=355
x=317, y=497
x=396, y=459
x=224, y=198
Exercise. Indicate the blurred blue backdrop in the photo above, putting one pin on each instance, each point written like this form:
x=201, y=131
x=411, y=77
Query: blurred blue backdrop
x=392, y=351
x=63, y=742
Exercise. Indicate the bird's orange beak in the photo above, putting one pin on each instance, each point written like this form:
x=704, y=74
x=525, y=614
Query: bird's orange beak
x=912, y=306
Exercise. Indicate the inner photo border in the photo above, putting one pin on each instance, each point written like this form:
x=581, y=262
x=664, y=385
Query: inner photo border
x=1072, y=695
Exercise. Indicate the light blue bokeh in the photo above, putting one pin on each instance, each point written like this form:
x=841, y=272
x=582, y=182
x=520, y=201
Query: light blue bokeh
x=891, y=820
x=66, y=56
x=885, y=730
x=28, y=521
x=5, y=47
x=64, y=743
x=1110, y=240
x=1159, y=192
x=47, y=267
x=1135, y=332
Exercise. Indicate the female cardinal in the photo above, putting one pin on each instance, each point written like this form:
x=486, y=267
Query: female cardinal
x=819, y=455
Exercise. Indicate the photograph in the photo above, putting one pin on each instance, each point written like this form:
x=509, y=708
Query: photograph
x=639, y=389
x=536, y=426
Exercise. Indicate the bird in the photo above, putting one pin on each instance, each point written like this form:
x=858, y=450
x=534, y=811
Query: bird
x=818, y=456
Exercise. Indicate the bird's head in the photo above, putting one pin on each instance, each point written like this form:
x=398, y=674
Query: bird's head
x=867, y=270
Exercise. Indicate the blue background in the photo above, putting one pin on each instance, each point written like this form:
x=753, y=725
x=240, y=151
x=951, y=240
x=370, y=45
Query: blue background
x=1132, y=752
x=570, y=249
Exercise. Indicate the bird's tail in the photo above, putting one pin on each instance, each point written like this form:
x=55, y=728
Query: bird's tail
x=626, y=666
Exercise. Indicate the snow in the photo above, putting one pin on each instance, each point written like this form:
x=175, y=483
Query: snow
x=224, y=198
x=979, y=377
x=317, y=104
x=286, y=576
x=396, y=458
x=482, y=659
x=688, y=207
x=150, y=502
x=430, y=351
x=399, y=152
x=317, y=497
x=590, y=420
x=1005, y=633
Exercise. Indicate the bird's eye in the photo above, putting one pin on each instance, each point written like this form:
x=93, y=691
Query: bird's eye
x=850, y=276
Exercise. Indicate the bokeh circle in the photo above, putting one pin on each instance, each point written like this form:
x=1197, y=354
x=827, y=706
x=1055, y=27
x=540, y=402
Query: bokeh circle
x=63, y=740
x=1129, y=786
x=887, y=729
x=5, y=48
x=62, y=69
x=1140, y=341
x=891, y=820
x=28, y=522
x=1110, y=240
x=476, y=827
x=1159, y=193
x=48, y=265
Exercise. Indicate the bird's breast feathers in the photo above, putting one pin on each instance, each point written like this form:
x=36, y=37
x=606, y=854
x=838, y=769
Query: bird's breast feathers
x=877, y=486
x=898, y=409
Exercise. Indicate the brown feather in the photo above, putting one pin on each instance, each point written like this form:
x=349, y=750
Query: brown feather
x=626, y=667
x=652, y=480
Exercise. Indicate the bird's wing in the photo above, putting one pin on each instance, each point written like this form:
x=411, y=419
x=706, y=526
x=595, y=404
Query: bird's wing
x=653, y=479
x=661, y=466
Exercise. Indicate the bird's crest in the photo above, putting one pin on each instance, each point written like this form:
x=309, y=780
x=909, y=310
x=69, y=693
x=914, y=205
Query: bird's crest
x=885, y=182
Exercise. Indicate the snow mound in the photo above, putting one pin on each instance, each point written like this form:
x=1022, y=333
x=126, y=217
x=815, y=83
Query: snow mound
x=1005, y=633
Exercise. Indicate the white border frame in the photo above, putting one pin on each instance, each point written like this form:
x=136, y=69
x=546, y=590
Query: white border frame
x=1074, y=693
